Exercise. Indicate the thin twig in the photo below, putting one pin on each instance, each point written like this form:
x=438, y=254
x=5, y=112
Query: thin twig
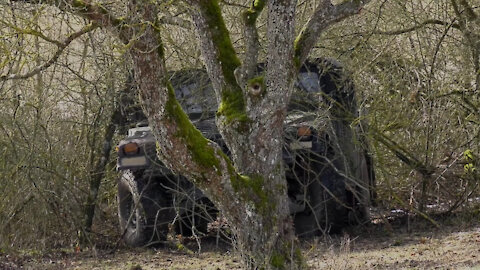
x=61, y=47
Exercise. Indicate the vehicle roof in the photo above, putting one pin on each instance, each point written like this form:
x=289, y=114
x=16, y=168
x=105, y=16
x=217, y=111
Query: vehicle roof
x=317, y=77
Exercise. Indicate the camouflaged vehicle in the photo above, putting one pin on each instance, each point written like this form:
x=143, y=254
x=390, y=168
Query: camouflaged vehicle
x=328, y=169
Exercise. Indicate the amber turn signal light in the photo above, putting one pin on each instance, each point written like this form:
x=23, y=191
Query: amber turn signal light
x=304, y=131
x=130, y=148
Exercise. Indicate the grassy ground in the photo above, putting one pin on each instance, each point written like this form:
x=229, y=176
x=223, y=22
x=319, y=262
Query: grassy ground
x=379, y=246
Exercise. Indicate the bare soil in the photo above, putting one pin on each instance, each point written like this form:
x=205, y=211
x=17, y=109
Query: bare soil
x=393, y=244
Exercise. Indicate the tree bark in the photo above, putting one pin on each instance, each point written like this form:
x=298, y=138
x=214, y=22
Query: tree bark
x=254, y=132
x=259, y=213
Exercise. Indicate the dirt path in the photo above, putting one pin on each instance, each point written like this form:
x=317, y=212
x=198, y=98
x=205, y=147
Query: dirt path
x=456, y=250
x=423, y=250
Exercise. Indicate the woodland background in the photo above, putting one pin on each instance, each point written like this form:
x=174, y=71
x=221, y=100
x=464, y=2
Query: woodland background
x=65, y=89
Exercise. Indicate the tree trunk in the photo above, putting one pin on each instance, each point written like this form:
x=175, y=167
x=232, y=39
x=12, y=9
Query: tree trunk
x=259, y=214
x=97, y=174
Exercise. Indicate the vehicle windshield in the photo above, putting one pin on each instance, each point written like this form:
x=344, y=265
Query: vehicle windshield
x=195, y=93
x=197, y=98
x=306, y=95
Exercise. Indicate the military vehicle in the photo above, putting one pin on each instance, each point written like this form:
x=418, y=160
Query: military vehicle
x=328, y=170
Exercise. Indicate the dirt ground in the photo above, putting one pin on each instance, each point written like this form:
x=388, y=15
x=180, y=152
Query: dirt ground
x=423, y=246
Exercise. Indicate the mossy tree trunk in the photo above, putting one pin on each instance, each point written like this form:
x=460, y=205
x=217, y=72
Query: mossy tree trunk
x=254, y=176
x=251, y=114
x=250, y=186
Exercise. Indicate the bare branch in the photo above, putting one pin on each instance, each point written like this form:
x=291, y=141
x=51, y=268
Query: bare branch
x=94, y=12
x=61, y=47
x=469, y=10
x=417, y=26
x=233, y=4
x=172, y=20
x=325, y=15
x=31, y=32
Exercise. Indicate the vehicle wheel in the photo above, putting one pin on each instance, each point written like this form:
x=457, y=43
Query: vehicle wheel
x=143, y=210
x=131, y=215
x=195, y=213
x=326, y=210
x=358, y=211
x=334, y=204
x=195, y=218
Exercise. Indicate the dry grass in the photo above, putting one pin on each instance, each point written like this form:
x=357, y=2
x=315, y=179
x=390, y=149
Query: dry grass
x=375, y=247
x=454, y=250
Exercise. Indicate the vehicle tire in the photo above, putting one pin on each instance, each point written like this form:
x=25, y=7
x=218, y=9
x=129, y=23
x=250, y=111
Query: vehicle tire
x=325, y=210
x=143, y=209
x=195, y=213
x=131, y=215
x=334, y=202
x=358, y=211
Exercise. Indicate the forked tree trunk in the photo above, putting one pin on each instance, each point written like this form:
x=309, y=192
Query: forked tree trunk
x=251, y=192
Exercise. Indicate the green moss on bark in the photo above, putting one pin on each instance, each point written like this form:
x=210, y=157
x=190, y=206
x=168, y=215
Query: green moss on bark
x=221, y=37
x=160, y=48
x=278, y=261
x=281, y=258
x=202, y=153
x=250, y=188
x=232, y=105
x=299, y=42
x=250, y=15
x=257, y=80
x=252, y=185
x=79, y=4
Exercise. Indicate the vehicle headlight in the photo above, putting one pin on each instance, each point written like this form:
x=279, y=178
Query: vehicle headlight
x=131, y=148
x=304, y=131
